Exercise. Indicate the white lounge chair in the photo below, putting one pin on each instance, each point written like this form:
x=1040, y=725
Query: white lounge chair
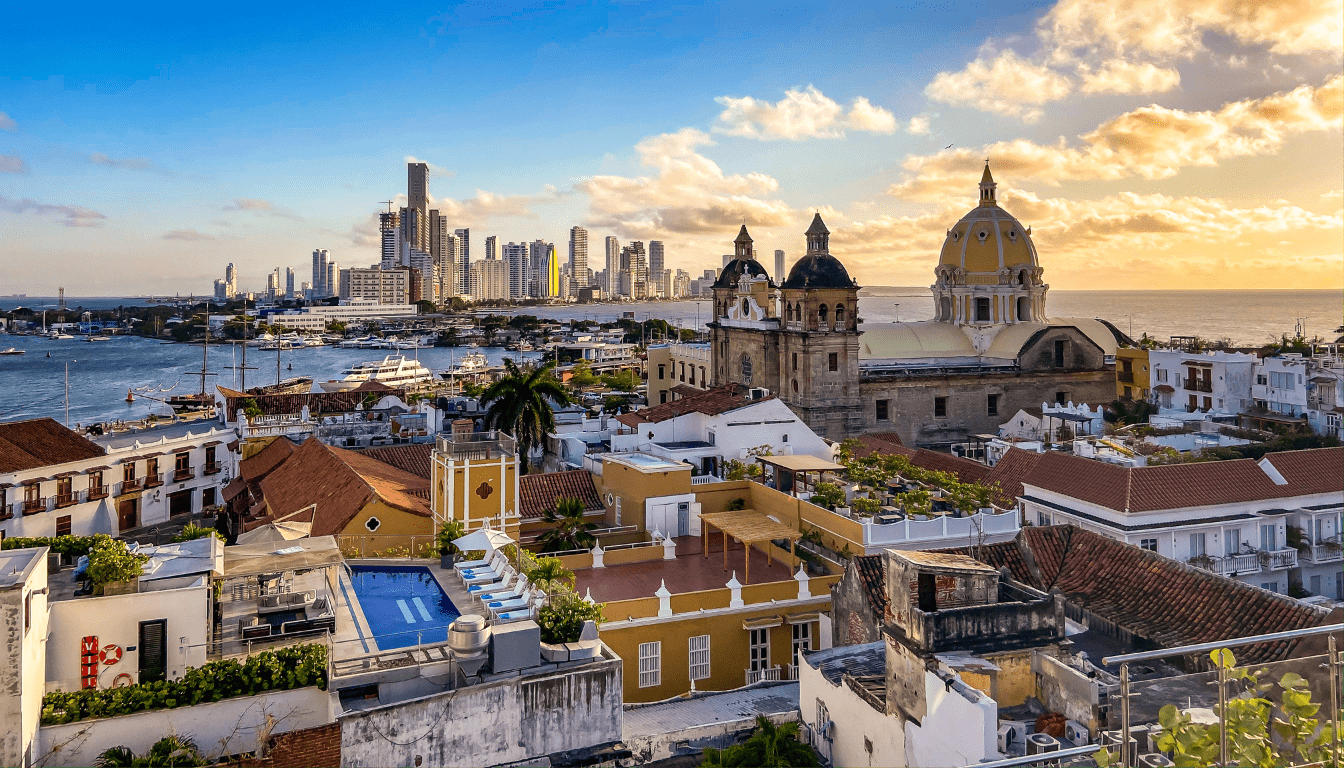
x=488, y=577
x=504, y=606
x=521, y=613
x=504, y=584
x=489, y=592
x=474, y=564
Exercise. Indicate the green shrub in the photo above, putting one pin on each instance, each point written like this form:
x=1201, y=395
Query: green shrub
x=282, y=669
x=110, y=561
x=561, y=619
x=72, y=546
x=193, y=531
x=828, y=495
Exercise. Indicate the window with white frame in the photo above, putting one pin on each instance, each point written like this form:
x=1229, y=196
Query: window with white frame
x=802, y=640
x=1232, y=540
x=699, y=657
x=650, y=664
x=1197, y=541
x=1148, y=544
x=1281, y=380
x=759, y=649
x=1161, y=373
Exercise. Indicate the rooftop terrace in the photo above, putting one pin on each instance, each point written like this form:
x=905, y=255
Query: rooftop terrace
x=690, y=571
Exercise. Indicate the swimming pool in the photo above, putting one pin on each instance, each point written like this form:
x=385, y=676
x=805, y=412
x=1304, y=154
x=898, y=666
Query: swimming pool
x=403, y=604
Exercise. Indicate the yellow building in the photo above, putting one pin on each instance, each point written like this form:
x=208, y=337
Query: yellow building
x=681, y=607
x=1131, y=374
x=474, y=478
x=677, y=365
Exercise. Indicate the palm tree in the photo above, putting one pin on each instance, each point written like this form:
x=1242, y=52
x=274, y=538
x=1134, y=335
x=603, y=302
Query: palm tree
x=520, y=403
x=769, y=746
x=568, y=528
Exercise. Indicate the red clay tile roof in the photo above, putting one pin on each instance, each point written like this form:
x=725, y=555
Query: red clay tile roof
x=887, y=437
x=1009, y=471
x=711, y=402
x=1177, y=486
x=538, y=493
x=42, y=443
x=415, y=459
x=340, y=483
x=1158, y=599
x=870, y=444
x=261, y=463
x=873, y=580
x=1319, y=470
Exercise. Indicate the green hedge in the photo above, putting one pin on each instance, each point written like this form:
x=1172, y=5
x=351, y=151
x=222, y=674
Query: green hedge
x=279, y=670
x=73, y=546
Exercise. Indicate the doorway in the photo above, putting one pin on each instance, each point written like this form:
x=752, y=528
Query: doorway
x=153, y=650
x=128, y=513
x=179, y=503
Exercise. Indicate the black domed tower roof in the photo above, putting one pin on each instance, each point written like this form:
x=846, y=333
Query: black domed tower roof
x=742, y=262
x=818, y=269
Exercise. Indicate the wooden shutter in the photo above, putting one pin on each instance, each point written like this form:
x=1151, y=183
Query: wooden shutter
x=153, y=651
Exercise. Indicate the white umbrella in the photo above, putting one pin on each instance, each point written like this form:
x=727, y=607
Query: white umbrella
x=482, y=539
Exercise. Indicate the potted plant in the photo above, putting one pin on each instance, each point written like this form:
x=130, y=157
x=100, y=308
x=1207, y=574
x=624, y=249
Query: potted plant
x=443, y=540
x=827, y=495
x=1202, y=561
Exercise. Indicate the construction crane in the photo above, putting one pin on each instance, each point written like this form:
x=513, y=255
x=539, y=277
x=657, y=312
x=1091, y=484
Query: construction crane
x=388, y=203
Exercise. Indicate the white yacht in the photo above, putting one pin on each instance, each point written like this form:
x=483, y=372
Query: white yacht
x=394, y=371
x=470, y=365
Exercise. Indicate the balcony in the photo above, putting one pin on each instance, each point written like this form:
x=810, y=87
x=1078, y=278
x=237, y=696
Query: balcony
x=154, y=480
x=1191, y=385
x=1125, y=377
x=66, y=500
x=1279, y=558
x=180, y=475
x=130, y=485
x=33, y=506
x=1231, y=565
x=212, y=468
x=97, y=492
x=1322, y=552
x=786, y=672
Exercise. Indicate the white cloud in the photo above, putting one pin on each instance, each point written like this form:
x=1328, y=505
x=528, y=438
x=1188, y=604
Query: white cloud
x=1120, y=76
x=919, y=125
x=801, y=114
x=136, y=163
x=69, y=215
x=261, y=206
x=12, y=164
x=434, y=170
x=1151, y=142
x=186, y=234
x=7, y=123
x=688, y=194
x=1006, y=84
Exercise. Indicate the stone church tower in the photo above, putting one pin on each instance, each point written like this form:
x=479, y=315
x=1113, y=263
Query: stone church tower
x=800, y=340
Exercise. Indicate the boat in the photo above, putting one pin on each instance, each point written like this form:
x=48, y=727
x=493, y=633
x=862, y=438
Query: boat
x=394, y=371
x=352, y=343
x=12, y=351
x=470, y=365
x=197, y=401
x=59, y=335
x=298, y=385
x=262, y=340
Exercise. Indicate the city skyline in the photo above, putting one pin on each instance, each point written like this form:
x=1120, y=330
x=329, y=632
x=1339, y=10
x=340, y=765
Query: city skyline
x=1166, y=146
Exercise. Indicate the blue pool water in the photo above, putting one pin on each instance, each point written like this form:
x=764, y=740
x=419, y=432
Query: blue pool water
x=403, y=604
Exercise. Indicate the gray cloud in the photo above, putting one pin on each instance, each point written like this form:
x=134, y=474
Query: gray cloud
x=186, y=234
x=261, y=206
x=132, y=163
x=70, y=215
x=7, y=123
x=12, y=164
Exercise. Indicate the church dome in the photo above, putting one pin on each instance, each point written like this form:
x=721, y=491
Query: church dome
x=818, y=269
x=988, y=238
x=743, y=263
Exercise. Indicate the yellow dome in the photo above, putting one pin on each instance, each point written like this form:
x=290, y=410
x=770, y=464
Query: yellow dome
x=988, y=238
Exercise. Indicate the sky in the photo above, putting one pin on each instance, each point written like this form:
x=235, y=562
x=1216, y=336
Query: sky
x=1152, y=144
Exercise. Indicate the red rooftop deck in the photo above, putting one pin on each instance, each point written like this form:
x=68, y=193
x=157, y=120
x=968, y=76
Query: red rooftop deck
x=689, y=572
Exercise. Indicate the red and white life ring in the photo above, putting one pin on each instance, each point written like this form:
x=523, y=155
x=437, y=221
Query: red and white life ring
x=119, y=682
x=110, y=655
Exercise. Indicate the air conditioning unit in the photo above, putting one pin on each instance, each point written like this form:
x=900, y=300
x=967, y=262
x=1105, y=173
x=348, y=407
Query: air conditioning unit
x=1155, y=760
x=828, y=730
x=805, y=733
x=1111, y=740
x=1040, y=743
x=758, y=393
x=1012, y=735
x=1076, y=733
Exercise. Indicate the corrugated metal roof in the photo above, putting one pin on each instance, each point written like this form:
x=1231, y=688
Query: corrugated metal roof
x=706, y=709
x=856, y=660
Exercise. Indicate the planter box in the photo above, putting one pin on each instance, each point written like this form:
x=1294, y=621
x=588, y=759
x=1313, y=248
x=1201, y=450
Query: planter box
x=554, y=653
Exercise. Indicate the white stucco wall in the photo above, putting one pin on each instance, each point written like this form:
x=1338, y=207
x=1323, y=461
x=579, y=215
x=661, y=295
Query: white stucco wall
x=854, y=721
x=22, y=657
x=116, y=620
x=223, y=727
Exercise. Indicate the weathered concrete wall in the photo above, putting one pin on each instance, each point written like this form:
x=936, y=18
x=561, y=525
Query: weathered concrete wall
x=1066, y=690
x=855, y=621
x=22, y=654
x=508, y=721
x=221, y=728
x=648, y=748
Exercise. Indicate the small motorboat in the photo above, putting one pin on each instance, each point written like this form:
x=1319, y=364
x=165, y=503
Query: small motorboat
x=13, y=351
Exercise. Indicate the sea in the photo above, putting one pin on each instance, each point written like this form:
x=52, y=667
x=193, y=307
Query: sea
x=100, y=374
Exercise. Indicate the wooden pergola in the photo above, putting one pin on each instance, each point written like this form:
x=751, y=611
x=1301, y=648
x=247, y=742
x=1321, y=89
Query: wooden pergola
x=791, y=472
x=748, y=527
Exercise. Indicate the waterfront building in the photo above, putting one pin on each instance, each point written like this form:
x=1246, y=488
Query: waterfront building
x=461, y=268
x=520, y=274
x=656, y=256
x=329, y=282
x=385, y=286
x=1293, y=391
x=389, y=230
x=490, y=245
x=1217, y=383
x=681, y=285
x=989, y=352
x=578, y=260
x=416, y=225
x=273, y=284
x=289, y=283
x=636, y=262
x=56, y=482
x=489, y=280
x=1227, y=517
x=612, y=286
x=320, y=257
x=427, y=285
x=315, y=318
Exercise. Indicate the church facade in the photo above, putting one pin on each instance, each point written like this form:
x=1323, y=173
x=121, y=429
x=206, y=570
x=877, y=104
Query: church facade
x=990, y=350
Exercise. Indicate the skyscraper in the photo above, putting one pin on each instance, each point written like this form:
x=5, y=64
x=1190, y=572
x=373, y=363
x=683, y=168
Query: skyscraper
x=552, y=272
x=578, y=259
x=639, y=270
x=490, y=243
x=289, y=282
x=329, y=282
x=389, y=225
x=273, y=284
x=520, y=277
x=447, y=275
x=462, y=270
x=779, y=268
x=320, y=257
x=613, y=264
x=537, y=251
x=417, y=199
x=438, y=234
x=656, y=256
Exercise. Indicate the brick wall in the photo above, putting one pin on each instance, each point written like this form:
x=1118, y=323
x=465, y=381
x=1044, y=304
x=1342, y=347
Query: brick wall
x=311, y=748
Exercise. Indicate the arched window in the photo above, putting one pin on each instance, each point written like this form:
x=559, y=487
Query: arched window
x=788, y=312
x=839, y=317
x=1023, y=277
x=746, y=308
x=821, y=316
x=945, y=309
x=1023, y=309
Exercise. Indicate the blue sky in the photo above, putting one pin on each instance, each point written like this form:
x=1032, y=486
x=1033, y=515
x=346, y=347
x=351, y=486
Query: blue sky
x=142, y=150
